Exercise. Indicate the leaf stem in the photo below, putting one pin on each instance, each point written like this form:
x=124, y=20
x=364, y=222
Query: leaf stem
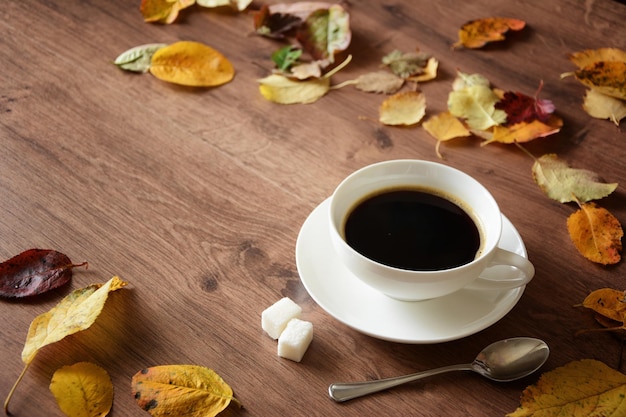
x=6, y=402
x=338, y=67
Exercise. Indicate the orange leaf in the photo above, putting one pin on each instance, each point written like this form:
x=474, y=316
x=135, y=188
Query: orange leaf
x=606, y=77
x=163, y=11
x=191, y=63
x=476, y=33
x=596, y=233
x=525, y=131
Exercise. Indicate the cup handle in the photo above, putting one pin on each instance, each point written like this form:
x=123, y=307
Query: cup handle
x=503, y=257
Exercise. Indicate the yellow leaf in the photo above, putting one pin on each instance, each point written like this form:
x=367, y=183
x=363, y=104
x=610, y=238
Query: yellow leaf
x=76, y=312
x=405, y=108
x=579, y=389
x=82, y=390
x=476, y=104
x=591, y=56
x=596, y=233
x=608, y=302
x=444, y=126
x=601, y=106
x=429, y=72
x=163, y=11
x=280, y=89
x=192, y=64
x=239, y=5
x=525, y=131
x=606, y=77
x=476, y=33
x=181, y=390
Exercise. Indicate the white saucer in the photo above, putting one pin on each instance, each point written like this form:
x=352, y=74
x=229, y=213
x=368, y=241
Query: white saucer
x=359, y=306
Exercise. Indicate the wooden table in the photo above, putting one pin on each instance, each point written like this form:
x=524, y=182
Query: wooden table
x=196, y=198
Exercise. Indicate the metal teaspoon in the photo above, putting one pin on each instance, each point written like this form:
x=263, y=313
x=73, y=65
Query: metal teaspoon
x=502, y=361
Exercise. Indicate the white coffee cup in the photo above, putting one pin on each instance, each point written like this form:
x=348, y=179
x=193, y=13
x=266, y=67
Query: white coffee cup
x=414, y=285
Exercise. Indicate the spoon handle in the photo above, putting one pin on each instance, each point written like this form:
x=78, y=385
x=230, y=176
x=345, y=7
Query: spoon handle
x=344, y=391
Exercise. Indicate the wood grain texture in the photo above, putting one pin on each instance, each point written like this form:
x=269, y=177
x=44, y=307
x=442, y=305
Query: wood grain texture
x=196, y=197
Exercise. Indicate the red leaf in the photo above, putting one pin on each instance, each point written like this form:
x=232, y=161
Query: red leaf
x=35, y=271
x=522, y=108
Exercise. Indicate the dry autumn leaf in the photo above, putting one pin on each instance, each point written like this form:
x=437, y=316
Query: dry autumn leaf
x=565, y=184
x=406, y=64
x=601, y=106
x=429, y=72
x=163, y=11
x=35, y=271
x=239, y=5
x=192, y=64
x=596, y=233
x=443, y=127
x=475, y=104
x=181, y=390
x=583, y=388
x=406, y=108
x=283, y=90
x=590, y=56
x=138, y=59
x=477, y=33
x=606, y=77
x=82, y=390
x=525, y=131
x=608, y=303
x=76, y=312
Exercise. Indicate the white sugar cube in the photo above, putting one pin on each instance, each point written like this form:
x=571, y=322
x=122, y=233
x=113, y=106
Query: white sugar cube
x=274, y=319
x=295, y=339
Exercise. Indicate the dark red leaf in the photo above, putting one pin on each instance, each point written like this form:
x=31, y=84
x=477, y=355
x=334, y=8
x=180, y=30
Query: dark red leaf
x=35, y=271
x=522, y=108
x=274, y=25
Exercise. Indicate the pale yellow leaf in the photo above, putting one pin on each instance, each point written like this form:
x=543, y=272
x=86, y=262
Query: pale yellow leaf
x=280, y=89
x=239, y=5
x=82, y=390
x=406, y=108
x=601, y=106
x=429, y=72
x=76, y=312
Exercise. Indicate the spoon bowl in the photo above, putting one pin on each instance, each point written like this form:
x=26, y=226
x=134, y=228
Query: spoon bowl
x=502, y=361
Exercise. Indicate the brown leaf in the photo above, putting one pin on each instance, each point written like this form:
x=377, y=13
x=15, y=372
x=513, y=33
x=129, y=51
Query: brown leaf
x=35, y=271
x=596, y=233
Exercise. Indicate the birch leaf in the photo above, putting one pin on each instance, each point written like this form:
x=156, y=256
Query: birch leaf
x=444, y=126
x=192, y=64
x=477, y=33
x=379, y=82
x=606, y=77
x=429, y=72
x=406, y=108
x=590, y=56
x=239, y=5
x=163, y=11
x=138, y=59
x=582, y=388
x=82, y=390
x=525, y=131
x=565, y=184
x=76, y=312
x=181, y=390
x=607, y=302
x=601, y=106
x=596, y=233
x=280, y=89
x=406, y=64
x=476, y=105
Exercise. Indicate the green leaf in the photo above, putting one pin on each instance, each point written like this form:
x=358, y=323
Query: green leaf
x=565, y=184
x=138, y=59
x=286, y=56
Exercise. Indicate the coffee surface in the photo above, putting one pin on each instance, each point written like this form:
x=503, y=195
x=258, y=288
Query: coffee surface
x=412, y=229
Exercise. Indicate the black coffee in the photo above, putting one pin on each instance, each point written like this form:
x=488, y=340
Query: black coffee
x=412, y=229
